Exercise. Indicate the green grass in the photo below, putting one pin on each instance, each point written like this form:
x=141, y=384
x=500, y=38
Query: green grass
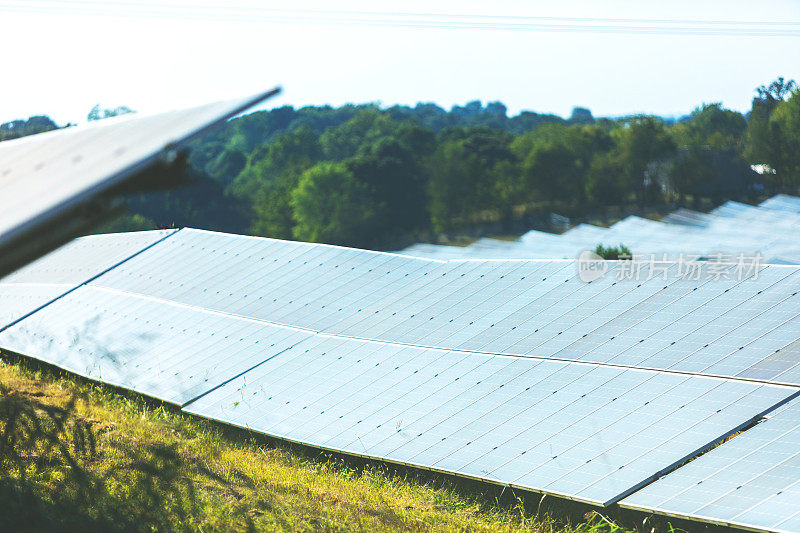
x=80, y=456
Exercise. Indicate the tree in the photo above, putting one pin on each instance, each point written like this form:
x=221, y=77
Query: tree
x=226, y=166
x=605, y=181
x=329, y=205
x=22, y=128
x=270, y=175
x=344, y=141
x=390, y=171
x=98, y=113
x=556, y=159
x=642, y=143
x=712, y=126
x=465, y=175
x=708, y=161
x=581, y=115
x=554, y=171
x=760, y=147
x=614, y=252
x=784, y=132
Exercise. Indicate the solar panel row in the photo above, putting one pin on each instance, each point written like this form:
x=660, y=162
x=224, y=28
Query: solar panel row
x=514, y=372
x=728, y=327
x=733, y=228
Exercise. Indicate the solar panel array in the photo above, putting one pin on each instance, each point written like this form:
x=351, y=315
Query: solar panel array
x=514, y=372
x=733, y=228
x=732, y=327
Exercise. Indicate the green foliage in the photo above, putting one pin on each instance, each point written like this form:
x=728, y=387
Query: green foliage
x=422, y=170
x=126, y=223
x=641, y=144
x=765, y=139
x=606, y=183
x=22, y=128
x=612, y=252
x=98, y=113
x=389, y=170
x=773, y=136
x=329, y=205
x=557, y=160
x=344, y=141
x=465, y=173
x=227, y=165
x=712, y=126
x=783, y=135
x=270, y=176
x=709, y=161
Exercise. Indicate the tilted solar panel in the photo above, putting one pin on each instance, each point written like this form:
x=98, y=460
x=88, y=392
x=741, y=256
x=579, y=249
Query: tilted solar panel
x=167, y=351
x=62, y=270
x=734, y=326
x=48, y=181
x=733, y=228
x=751, y=481
x=584, y=432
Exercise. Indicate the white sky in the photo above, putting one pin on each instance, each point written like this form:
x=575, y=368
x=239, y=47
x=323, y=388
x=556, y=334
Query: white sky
x=60, y=57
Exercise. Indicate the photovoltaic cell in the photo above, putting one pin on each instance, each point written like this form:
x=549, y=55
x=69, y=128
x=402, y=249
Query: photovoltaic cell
x=750, y=481
x=67, y=267
x=656, y=320
x=17, y=300
x=85, y=257
x=163, y=350
x=585, y=432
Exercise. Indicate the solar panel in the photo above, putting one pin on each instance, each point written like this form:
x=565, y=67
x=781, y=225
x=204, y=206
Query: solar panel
x=750, y=481
x=67, y=267
x=726, y=327
x=52, y=183
x=168, y=351
x=585, y=432
x=733, y=228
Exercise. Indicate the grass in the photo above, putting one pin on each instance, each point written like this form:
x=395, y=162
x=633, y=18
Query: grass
x=75, y=455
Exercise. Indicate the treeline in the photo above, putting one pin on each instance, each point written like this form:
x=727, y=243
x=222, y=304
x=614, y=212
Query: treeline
x=365, y=176
x=21, y=128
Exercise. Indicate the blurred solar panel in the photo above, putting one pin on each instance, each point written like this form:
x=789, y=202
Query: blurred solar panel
x=750, y=481
x=48, y=181
x=62, y=270
x=733, y=227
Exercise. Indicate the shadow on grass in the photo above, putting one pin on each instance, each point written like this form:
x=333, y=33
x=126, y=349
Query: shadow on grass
x=54, y=476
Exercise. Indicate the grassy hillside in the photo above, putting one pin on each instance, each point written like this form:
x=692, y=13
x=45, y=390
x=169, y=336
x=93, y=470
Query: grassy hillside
x=80, y=456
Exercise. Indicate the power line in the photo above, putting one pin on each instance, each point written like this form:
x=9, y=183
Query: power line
x=415, y=20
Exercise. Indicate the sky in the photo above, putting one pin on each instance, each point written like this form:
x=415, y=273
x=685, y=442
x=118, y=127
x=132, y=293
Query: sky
x=61, y=57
